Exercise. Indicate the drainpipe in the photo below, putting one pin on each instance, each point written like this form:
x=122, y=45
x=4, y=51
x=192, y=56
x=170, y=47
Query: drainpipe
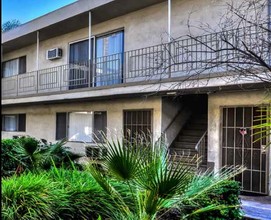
x=37, y=59
x=169, y=21
x=89, y=50
x=89, y=35
x=38, y=44
x=169, y=38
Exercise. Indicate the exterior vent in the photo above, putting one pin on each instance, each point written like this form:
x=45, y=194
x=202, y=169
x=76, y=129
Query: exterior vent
x=54, y=53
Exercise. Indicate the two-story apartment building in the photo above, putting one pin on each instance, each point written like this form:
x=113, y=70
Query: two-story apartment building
x=109, y=65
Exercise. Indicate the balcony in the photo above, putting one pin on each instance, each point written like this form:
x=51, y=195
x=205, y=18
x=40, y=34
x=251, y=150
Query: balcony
x=181, y=59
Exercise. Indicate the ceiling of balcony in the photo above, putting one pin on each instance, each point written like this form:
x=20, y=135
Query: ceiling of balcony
x=69, y=18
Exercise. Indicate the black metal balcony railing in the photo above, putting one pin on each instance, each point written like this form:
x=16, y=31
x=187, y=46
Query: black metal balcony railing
x=180, y=58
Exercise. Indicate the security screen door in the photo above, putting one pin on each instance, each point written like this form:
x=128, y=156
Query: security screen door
x=239, y=147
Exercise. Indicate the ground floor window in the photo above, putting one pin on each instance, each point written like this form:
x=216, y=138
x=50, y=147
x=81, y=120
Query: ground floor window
x=137, y=123
x=81, y=126
x=14, y=122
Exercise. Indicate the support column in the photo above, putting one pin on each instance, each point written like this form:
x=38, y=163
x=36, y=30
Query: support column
x=89, y=36
x=90, y=58
x=38, y=45
x=37, y=60
x=169, y=20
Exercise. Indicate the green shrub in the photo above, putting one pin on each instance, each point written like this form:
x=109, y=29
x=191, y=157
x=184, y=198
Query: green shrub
x=225, y=195
x=54, y=194
x=86, y=199
x=29, y=196
x=31, y=154
x=9, y=163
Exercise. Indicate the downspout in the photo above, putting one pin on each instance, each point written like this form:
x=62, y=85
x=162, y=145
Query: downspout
x=169, y=21
x=37, y=59
x=89, y=35
x=169, y=39
x=38, y=45
x=90, y=58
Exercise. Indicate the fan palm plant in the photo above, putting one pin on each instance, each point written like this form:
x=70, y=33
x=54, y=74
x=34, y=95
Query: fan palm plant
x=155, y=182
x=33, y=154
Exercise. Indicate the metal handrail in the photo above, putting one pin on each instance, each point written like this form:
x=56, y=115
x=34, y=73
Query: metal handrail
x=184, y=56
x=200, y=148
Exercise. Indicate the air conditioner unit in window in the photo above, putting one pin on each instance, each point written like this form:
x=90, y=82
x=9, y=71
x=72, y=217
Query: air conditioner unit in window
x=54, y=53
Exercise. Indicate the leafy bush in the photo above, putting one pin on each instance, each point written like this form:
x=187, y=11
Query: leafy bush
x=29, y=196
x=155, y=183
x=28, y=153
x=138, y=182
x=54, y=194
x=85, y=198
x=222, y=201
x=9, y=163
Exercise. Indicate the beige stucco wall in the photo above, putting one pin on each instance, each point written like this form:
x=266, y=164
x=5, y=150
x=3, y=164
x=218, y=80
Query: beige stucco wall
x=216, y=102
x=142, y=28
x=41, y=119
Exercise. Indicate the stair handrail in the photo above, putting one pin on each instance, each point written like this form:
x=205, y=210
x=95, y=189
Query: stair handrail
x=200, y=148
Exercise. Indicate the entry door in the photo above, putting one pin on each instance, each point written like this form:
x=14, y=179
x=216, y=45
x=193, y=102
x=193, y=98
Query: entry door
x=239, y=147
x=79, y=65
x=109, y=59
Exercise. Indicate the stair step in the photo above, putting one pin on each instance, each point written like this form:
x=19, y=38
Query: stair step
x=193, y=132
x=188, y=142
x=183, y=146
x=187, y=138
x=196, y=126
x=184, y=152
x=188, y=161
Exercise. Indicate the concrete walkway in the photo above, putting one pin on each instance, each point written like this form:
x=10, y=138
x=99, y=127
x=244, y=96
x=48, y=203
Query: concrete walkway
x=257, y=207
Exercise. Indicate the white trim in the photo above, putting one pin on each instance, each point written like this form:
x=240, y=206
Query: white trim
x=38, y=44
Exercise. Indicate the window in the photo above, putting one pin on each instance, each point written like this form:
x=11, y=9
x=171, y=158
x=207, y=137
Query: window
x=14, y=67
x=109, y=59
x=137, y=122
x=81, y=126
x=13, y=122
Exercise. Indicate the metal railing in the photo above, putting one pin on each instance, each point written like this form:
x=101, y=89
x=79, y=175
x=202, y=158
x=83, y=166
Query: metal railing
x=201, y=148
x=180, y=58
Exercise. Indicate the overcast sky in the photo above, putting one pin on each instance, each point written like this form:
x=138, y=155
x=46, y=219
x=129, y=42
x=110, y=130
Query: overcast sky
x=26, y=10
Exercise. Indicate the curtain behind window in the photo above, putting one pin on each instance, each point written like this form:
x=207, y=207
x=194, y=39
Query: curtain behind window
x=10, y=123
x=80, y=126
x=11, y=68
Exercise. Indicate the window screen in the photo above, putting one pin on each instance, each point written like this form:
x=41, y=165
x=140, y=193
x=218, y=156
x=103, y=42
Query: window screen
x=137, y=123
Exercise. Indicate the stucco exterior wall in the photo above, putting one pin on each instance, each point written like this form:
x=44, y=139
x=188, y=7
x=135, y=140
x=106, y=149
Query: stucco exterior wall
x=41, y=119
x=142, y=28
x=216, y=102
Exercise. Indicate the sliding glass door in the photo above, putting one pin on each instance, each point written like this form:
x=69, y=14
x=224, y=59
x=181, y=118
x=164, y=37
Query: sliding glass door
x=79, y=76
x=108, y=62
x=109, y=59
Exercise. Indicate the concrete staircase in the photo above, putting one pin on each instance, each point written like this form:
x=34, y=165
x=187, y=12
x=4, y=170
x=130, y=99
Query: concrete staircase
x=184, y=146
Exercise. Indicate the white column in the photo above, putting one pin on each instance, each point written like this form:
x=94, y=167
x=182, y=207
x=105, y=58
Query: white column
x=169, y=20
x=89, y=36
x=38, y=45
